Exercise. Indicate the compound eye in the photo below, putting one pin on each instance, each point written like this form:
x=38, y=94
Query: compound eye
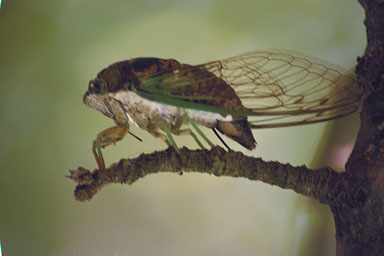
x=97, y=86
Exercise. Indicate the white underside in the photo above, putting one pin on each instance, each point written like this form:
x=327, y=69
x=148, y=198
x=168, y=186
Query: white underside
x=133, y=104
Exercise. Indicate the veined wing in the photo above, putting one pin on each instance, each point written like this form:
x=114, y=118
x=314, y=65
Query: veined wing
x=276, y=88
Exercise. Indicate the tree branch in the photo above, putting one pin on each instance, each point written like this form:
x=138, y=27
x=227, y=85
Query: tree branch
x=319, y=184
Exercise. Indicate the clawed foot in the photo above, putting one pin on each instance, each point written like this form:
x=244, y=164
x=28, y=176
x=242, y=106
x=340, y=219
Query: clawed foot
x=81, y=176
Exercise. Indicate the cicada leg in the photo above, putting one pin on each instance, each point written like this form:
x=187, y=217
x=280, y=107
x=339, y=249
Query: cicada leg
x=106, y=138
x=201, y=133
x=205, y=137
x=160, y=136
x=189, y=132
x=171, y=142
x=169, y=138
x=176, y=130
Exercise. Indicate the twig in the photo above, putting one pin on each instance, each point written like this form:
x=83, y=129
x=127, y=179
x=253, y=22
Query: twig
x=320, y=184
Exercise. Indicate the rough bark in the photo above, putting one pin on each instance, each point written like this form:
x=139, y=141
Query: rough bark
x=360, y=227
x=322, y=184
x=356, y=196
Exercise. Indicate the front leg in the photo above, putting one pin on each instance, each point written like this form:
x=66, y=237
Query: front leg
x=106, y=138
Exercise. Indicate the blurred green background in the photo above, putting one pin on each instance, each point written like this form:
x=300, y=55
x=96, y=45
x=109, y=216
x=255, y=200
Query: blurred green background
x=49, y=50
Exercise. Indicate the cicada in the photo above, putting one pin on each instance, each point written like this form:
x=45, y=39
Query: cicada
x=258, y=89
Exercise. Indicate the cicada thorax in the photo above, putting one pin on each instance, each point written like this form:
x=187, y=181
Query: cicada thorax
x=203, y=88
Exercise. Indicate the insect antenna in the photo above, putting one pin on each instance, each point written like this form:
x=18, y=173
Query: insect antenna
x=222, y=141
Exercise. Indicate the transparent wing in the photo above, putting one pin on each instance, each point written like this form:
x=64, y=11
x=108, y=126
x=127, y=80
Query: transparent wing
x=277, y=88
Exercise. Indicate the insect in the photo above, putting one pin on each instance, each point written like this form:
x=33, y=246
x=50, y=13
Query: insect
x=258, y=89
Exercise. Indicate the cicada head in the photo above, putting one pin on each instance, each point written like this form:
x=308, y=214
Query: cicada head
x=108, y=82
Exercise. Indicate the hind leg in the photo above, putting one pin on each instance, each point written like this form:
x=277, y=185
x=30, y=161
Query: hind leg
x=189, y=132
x=175, y=130
x=201, y=133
